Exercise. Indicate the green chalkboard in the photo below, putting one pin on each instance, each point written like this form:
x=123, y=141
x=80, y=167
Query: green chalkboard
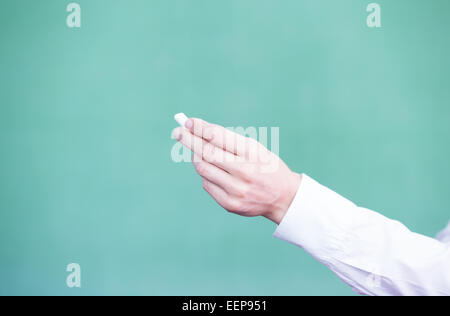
x=86, y=174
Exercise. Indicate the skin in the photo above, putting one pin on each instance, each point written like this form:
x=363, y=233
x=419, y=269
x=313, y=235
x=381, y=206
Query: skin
x=239, y=173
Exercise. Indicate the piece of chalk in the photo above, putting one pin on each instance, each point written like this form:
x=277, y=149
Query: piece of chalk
x=181, y=119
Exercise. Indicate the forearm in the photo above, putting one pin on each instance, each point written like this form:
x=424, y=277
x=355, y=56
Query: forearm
x=372, y=253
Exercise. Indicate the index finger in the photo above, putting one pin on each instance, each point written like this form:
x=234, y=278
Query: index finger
x=218, y=136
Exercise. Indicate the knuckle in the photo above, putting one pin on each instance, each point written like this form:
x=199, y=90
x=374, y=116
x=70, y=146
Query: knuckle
x=248, y=172
x=234, y=206
x=246, y=192
x=208, y=152
x=210, y=132
x=241, y=190
x=202, y=169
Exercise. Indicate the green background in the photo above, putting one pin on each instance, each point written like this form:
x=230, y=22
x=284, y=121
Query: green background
x=86, y=115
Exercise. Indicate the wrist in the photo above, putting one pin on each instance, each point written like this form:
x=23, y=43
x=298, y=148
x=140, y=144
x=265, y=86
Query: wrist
x=279, y=210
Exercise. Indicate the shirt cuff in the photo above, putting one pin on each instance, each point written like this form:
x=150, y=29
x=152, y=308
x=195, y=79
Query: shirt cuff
x=314, y=221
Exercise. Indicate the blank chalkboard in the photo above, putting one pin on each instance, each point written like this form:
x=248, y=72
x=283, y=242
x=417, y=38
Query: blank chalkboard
x=86, y=174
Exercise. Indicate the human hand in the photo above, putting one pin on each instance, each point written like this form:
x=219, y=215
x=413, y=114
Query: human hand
x=242, y=175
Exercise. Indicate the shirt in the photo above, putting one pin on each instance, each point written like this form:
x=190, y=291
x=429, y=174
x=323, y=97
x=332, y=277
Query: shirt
x=373, y=254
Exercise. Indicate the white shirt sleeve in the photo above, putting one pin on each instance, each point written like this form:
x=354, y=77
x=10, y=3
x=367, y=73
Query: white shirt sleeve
x=373, y=254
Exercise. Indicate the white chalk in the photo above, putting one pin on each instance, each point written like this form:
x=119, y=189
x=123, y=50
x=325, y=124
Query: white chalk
x=181, y=119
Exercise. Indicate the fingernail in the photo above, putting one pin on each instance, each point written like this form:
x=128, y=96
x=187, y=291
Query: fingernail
x=176, y=134
x=189, y=124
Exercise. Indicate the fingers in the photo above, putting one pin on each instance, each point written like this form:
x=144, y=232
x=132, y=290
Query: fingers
x=206, y=151
x=218, y=176
x=220, y=196
x=215, y=191
x=218, y=135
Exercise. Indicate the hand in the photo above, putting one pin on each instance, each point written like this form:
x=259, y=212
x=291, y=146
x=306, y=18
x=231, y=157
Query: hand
x=238, y=172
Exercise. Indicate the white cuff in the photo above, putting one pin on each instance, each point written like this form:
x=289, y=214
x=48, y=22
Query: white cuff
x=315, y=221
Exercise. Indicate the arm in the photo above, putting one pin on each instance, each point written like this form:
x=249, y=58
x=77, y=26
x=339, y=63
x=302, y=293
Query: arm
x=371, y=253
